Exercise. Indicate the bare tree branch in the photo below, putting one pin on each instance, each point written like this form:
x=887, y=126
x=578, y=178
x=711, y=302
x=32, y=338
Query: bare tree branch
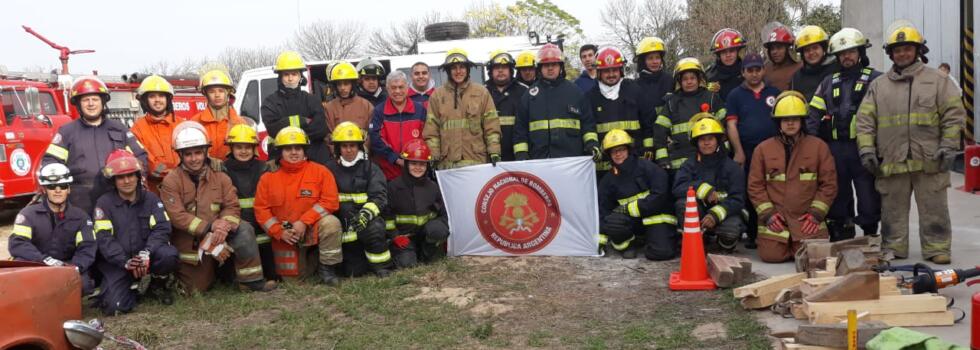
x=323, y=40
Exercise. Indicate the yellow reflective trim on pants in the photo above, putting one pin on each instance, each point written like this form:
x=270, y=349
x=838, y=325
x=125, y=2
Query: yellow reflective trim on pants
x=783, y=235
x=520, y=147
x=262, y=238
x=250, y=270
x=703, y=190
x=663, y=121
x=624, y=245
x=507, y=120
x=103, y=225
x=648, y=142
x=761, y=208
x=681, y=128
x=349, y=236
x=372, y=207
x=358, y=198
x=194, y=224
x=294, y=120
x=634, y=209
x=819, y=205
x=603, y=239
x=590, y=136
x=660, y=219
x=246, y=203
x=661, y=153
x=808, y=176
x=719, y=211
x=378, y=258
x=79, y=238
x=907, y=166
x=776, y=178
x=456, y=124
x=58, y=152
x=622, y=125
x=633, y=198
x=818, y=103
x=554, y=124
x=865, y=140
x=189, y=257
x=232, y=219
x=24, y=231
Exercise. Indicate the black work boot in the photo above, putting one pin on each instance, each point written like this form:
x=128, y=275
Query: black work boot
x=630, y=252
x=261, y=285
x=870, y=230
x=328, y=275
x=161, y=290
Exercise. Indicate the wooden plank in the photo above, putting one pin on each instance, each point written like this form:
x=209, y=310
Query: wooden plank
x=850, y=260
x=860, y=285
x=887, y=285
x=758, y=302
x=914, y=319
x=835, y=335
x=726, y=270
x=771, y=285
x=887, y=305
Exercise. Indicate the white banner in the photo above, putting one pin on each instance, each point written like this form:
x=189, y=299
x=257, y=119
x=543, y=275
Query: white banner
x=536, y=207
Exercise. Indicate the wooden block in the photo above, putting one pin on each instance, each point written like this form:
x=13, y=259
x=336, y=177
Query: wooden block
x=799, y=311
x=771, y=285
x=887, y=285
x=915, y=319
x=726, y=270
x=887, y=305
x=822, y=273
x=862, y=285
x=762, y=301
x=850, y=260
x=835, y=335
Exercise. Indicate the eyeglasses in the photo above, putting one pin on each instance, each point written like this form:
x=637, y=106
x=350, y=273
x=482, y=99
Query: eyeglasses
x=57, y=187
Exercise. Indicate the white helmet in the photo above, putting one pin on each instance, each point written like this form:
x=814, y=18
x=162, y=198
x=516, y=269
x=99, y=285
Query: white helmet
x=190, y=134
x=847, y=38
x=54, y=174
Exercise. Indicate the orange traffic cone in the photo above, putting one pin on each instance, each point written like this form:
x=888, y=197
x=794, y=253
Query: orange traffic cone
x=694, y=269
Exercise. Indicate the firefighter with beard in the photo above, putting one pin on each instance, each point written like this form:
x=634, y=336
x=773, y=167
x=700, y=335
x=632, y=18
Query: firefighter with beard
x=832, y=118
x=416, y=217
x=812, y=43
x=289, y=105
x=555, y=119
x=617, y=105
x=726, y=73
x=153, y=130
x=672, y=130
x=654, y=84
x=363, y=196
x=506, y=93
x=634, y=197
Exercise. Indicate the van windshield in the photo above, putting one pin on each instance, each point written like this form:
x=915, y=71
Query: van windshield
x=14, y=104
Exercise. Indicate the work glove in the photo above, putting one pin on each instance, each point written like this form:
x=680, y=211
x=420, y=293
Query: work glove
x=159, y=171
x=221, y=253
x=360, y=222
x=776, y=223
x=494, y=158
x=617, y=224
x=596, y=153
x=144, y=268
x=708, y=222
x=712, y=197
x=870, y=162
x=53, y=262
x=664, y=163
x=946, y=158
x=216, y=164
x=520, y=156
x=714, y=86
x=401, y=241
x=810, y=225
x=622, y=209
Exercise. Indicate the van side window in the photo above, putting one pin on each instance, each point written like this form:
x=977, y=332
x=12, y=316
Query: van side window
x=268, y=87
x=250, y=104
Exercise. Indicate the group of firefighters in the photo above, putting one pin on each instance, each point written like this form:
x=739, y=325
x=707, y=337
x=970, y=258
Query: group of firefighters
x=771, y=146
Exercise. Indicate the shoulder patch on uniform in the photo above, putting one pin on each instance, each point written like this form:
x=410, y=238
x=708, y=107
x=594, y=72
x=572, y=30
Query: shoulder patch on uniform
x=88, y=222
x=21, y=219
x=56, y=138
x=771, y=101
x=533, y=91
x=99, y=214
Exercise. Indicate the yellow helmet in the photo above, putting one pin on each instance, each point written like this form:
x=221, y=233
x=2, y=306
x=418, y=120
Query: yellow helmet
x=155, y=83
x=810, y=35
x=457, y=55
x=686, y=64
x=525, y=60
x=289, y=60
x=347, y=132
x=790, y=104
x=343, y=71
x=501, y=57
x=904, y=35
x=704, y=123
x=242, y=133
x=615, y=138
x=292, y=135
x=648, y=45
x=216, y=77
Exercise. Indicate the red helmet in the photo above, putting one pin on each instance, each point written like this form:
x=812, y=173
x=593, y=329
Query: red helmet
x=416, y=150
x=726, y=39
x=120, y=162
x=549, y=53
x=88, y=85
x=609, y=58
x=779, y=34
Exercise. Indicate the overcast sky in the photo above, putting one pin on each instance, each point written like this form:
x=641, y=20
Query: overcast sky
x=129, y=35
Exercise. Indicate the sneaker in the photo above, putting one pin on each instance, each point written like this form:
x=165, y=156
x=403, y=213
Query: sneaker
x=258, y=286
x=328, y=275
x=941, y=259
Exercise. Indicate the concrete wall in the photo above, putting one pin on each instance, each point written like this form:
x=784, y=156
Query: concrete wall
x=866, y=16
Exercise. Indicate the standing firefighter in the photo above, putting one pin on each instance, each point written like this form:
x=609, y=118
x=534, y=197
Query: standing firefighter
x=398, y=121
x=780, y=64
x=726, y=72
x=245, y=170
x=154, y=128
x=718, y=180
x=133, y=232
x=812, y=44
x=832, y=118
x=617, y=105
x=52, y=231
x=416, y=217
x=908, y=132
x=369, y=86
x=792, y=182
x=296, y=206
x=208, y=230
x=634, y=197
x=220, y=116
x=506, y=94
x=84, y=143
x=462, y=127
x=654, y=85
x=689, y=98
x=289, y=105
x=527, y=74
x=363, y=196
x=555, y=119
x=348, y=106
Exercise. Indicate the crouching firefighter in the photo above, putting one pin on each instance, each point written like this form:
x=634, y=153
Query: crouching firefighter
x=363, y=195
x=208, y=230
x=133, y=232
x=245, y=169
x=719, y=183
x=54, y=232
x=295, y=205
x=416, y=217
x=634, y=196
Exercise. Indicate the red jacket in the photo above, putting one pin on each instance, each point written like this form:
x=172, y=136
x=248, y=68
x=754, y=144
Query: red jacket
x=394, y=129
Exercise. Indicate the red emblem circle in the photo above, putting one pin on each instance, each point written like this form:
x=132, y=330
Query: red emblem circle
x=517, y=213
